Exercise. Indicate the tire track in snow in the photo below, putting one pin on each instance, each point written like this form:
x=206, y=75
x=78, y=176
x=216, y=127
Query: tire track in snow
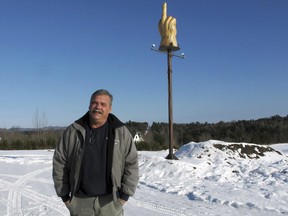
x=14, y=203
x=31, y=194
x=45, y=200
x=16, y=191
x=164, y=209
x=141, y=201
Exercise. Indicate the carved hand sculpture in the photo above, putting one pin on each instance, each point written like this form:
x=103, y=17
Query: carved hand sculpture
x=168, y=31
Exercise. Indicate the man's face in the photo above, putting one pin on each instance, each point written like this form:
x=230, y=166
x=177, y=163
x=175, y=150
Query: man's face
x=99, y=109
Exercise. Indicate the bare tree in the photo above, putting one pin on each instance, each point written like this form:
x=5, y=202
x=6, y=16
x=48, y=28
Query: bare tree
x=40, y=122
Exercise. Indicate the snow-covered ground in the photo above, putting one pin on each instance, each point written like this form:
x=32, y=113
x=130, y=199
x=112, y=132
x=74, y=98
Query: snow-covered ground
x=210, y=178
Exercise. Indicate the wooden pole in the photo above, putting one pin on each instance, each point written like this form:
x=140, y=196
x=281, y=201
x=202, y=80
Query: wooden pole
x=170, y=106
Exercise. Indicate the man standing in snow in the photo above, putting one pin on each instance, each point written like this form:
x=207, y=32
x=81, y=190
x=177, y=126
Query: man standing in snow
x=95, y=165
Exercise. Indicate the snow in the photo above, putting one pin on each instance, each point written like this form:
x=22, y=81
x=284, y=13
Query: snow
x=210, y=178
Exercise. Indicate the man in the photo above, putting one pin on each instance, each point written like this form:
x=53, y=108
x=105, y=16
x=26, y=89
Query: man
x=95, y=165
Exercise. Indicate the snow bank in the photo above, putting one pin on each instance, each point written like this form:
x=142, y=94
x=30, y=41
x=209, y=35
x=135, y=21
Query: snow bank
x=235, y=174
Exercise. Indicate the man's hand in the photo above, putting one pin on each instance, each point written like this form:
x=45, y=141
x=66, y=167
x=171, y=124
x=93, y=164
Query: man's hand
x=67, y=202
x=122, y=201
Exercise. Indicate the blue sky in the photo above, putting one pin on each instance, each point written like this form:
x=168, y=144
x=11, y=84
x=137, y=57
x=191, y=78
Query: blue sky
x=55, y=53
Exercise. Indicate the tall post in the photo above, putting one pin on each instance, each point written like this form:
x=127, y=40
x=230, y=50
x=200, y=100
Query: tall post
x=168, y=44
x=170, y=106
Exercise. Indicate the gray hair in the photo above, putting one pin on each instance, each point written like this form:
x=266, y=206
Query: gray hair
x=102, y=92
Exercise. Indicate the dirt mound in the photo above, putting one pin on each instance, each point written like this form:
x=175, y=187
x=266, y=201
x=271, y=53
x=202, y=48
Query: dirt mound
x=244, y=150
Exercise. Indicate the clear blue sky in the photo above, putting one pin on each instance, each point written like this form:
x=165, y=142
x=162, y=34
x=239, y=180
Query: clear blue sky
x=55, y=53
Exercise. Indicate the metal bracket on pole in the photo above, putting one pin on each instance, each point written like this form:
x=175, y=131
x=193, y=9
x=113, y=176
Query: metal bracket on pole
x=157, y=50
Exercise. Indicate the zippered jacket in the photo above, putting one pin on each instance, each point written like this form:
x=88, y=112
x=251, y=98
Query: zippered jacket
x=122, y=159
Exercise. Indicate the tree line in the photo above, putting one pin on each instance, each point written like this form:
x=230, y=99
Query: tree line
x=29, y=139
x=261, y=131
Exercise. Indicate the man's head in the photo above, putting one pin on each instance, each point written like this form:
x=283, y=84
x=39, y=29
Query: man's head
x=100, y=107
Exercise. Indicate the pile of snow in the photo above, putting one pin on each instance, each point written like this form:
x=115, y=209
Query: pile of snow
x=239, y=175
x=210, y=178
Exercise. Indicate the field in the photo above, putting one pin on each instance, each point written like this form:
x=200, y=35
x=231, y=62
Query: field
x=210, y=178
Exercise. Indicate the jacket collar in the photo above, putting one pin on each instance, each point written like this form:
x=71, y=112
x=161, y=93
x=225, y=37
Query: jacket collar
x=113, y=121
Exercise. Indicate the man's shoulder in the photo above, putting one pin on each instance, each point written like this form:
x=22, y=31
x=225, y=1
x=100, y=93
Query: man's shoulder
x=72, y=128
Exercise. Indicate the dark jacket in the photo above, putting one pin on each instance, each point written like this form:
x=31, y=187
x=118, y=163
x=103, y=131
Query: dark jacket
x=122, y=159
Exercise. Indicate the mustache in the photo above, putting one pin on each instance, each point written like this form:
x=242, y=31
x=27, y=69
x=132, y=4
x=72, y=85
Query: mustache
x=97, y=111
